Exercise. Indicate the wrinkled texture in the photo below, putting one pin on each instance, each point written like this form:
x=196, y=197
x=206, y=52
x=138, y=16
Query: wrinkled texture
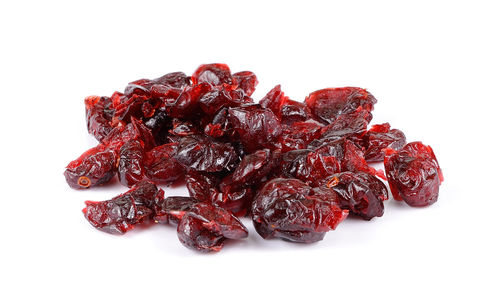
x=206, y=226
x=296, y=168
x=414, y=174
x=121, y=213
x=288, y=209
x=361, y=193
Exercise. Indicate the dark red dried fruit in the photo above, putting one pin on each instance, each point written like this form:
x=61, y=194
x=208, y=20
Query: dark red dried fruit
x=214, y=74
x=381, y=137
x=202, y=153
x=172, y=209
x=299, y=134
x=205, y=227
x=121, y=213
x=247, y=81
x=98, y=116
x=413, y=174
x=257, y=128
x=202, y=186
x=328, y=104
x=161, y=165
x=361, y=193
x=94, y=167
x=288, y=209
x=130, y=164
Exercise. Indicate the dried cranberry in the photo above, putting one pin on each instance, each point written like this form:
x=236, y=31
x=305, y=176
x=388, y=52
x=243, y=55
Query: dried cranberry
x=94, y=167
x=273, y=100
x=292, y=111
x=121, y=213
x=214, y=74
x=206, y=226
x=97, y=110
x=288, y=209
x=202, y=153
x=413, y=174
x=202, y=186
x=299, y=134
x=161, y=165
x=361, y=193
x=327, y=104
x=130, y=164
x=247, y=81
x=172, y=209
x=257, y=128
x=380, y=137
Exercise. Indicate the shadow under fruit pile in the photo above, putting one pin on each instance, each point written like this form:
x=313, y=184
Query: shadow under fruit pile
x=296, y=168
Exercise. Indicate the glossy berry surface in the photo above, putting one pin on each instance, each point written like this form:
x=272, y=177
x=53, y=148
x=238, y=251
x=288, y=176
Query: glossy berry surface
x=296, y=168
x=206, y=226
x=414, y=174
x=288, y=209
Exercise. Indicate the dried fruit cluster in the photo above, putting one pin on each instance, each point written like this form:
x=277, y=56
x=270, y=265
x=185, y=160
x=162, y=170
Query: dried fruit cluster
x=297, y=168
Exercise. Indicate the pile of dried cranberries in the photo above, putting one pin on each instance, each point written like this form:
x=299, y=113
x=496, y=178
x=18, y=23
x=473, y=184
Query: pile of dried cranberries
x=296, y=168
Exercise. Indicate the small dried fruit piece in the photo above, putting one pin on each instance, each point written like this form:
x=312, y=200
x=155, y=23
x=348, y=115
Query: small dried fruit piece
x=381, y=137
x=121, y=213
x=202, y=186
x=413, y=174
x=161, y=165
x=257, y=128
x=94, y=167
x=247, y=81
x=130, y=164
x=361, y=193
x=214, y=74
x=98, y=116
x=202, y=153
x=327, y=104
x=172, y=209
x=206, y=226
x=289, y=209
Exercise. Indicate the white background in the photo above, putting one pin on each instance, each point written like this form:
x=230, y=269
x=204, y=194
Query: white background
x=433, y=66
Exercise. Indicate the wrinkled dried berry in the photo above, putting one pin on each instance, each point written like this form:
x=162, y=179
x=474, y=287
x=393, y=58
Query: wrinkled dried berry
x=381, y=137
x=206, y=226
x=413, y=174
x=121, y=213
x=361, y=193
x=288, y=209
x=172, y=209
x=94, y=167
x=130, y=164
x=328, y=104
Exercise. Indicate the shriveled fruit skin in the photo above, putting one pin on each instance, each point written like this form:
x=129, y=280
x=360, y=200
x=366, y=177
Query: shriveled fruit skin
x=121, y=213
x=246, y=81
x=202, y=153
x=289, y=209
x=379, y=138
x=214, y=74
x=413, y=174
x=172, y=209
x=205, y=227
x=98, y=116
x=361, y=193
x=94, y=167
x=161, y=165
x=328, y=104
x=130, y=164
x=258, y=128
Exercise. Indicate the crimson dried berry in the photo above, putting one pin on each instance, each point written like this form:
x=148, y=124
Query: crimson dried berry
x=94, y=167
x=130, y=165
x=161, y=165
x=206, y=226
x=361, y=193
x=413, y=174
x=214, y=74
x=172, y=209
x=246, y=81
x=288, y=209
x=327, y=104
x=379, y=138
x=122, y=213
